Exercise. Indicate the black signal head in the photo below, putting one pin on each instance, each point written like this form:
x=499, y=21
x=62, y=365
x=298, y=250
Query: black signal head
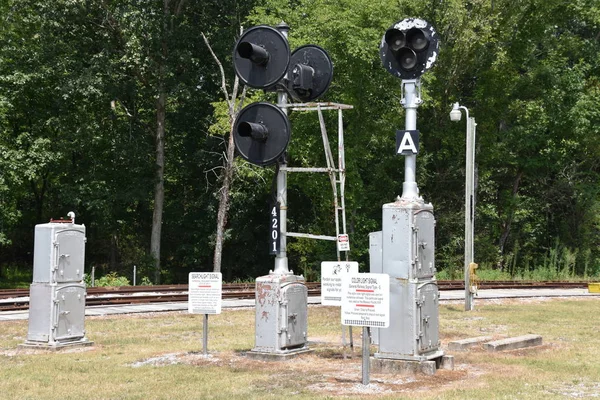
x=309, y=73
x=409, y=48
x=261, y=56
x=261, y=133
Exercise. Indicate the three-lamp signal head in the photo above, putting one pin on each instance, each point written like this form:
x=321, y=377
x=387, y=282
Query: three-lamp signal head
x=409, y=48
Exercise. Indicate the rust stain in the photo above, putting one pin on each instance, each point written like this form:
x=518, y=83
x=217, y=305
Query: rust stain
x=265, y=316
x=402, y=281
x=262, y=291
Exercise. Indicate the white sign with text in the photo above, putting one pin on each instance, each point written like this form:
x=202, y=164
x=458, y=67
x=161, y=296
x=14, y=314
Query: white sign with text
x=205, y=291
x=366, y=300
x=331, y=280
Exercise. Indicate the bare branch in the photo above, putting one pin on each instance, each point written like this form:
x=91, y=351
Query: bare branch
x=213, y=170
x=236, y=82
x=223, y=84
x=113, y=106
x=212, y=152
x=241, y=103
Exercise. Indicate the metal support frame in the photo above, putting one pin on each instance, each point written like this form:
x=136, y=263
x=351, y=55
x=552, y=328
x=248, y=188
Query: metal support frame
x=337, y=175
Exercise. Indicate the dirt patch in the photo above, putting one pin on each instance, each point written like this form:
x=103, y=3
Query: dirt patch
x=577, y=391
x=326, y=372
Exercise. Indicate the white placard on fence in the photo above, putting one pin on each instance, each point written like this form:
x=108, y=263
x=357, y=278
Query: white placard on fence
x=205, y=291
x=331, y=280
x=366, y=300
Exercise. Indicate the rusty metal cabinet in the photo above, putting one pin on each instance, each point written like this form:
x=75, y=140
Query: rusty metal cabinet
x=282, y=318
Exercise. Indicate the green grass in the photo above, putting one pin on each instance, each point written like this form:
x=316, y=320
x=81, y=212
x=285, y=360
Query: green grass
x=566, y=366
x=540, y=274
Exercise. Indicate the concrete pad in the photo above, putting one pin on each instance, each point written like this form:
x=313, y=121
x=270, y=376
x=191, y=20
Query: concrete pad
x=282, y=356
x=56, y=346
x=465, y=344
x=446, y=362
x=403, y=367
x=410, y=367
x=513, y=343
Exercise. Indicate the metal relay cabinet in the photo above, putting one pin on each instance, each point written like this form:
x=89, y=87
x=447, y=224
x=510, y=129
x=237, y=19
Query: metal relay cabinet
x=56, y=313
x=281, y=298
x=59, y=252
x=57, y=293
x=404, y=250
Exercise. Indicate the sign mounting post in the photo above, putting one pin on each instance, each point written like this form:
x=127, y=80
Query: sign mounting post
x=204, y=297
x=366, y=303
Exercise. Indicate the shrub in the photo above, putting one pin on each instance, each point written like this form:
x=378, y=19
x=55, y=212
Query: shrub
x=110, y=279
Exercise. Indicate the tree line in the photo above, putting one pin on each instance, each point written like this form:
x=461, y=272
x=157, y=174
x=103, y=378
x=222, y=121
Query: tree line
x=116, y=110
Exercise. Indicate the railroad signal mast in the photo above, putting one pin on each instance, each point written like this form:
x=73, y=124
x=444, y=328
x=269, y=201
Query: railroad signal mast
x=262, y=131
x=405, y=247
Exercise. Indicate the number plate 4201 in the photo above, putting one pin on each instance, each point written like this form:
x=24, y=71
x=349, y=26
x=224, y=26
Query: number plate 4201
x=274, y=229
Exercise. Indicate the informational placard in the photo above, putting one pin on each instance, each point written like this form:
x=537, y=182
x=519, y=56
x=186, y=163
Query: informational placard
x=331, y=280
x=204, y=293
x=366, y=300
x=343, y=242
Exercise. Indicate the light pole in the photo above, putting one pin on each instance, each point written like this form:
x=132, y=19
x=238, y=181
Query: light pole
x=455, y=116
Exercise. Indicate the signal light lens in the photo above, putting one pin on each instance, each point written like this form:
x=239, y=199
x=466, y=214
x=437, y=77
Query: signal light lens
x=417, y=40
x=395, y=39
x=407, y=59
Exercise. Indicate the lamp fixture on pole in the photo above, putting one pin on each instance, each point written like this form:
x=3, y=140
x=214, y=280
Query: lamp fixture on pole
x=455, y=116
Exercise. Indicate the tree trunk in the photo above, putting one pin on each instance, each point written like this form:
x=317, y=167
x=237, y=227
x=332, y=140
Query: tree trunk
x=161, y=111
x=227, y=172
x=159, y=186
x=224, y=201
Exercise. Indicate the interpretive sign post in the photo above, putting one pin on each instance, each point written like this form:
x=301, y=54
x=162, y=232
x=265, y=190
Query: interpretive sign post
x=366, y=303
x=204, y=297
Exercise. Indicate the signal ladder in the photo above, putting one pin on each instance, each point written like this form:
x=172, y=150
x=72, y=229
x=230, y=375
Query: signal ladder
x=337, y=175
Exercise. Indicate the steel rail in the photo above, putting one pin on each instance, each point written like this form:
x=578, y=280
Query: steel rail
x=18, y=299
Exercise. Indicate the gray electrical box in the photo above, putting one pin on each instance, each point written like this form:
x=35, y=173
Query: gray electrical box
x=57, y=294
x=405, y=250
x=59, y=252
x=281, y=313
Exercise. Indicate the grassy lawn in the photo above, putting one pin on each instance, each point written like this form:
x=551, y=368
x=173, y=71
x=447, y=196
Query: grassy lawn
x=159, y=356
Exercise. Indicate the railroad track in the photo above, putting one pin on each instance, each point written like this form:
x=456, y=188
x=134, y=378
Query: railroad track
x=18, y=299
